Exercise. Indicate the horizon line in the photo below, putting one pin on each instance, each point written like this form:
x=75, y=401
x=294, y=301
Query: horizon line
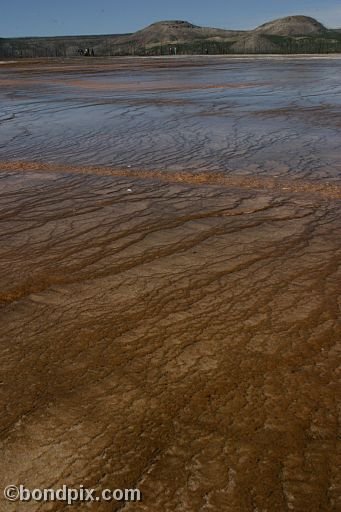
x=164, y=21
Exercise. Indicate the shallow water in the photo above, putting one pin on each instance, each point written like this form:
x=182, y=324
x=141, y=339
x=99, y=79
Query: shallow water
x=172, y=325
x=273, y=117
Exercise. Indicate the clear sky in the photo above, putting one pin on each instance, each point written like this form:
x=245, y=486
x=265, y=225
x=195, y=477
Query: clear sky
x=62, y=17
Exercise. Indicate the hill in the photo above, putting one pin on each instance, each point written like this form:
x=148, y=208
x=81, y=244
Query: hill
x=293, y=34
x=176, y=32
x=292, y=26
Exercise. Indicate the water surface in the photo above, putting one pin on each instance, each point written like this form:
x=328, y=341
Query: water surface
x=272, y=116
x=169, y=282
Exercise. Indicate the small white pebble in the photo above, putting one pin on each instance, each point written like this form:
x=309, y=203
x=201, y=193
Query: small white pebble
x=129, y=190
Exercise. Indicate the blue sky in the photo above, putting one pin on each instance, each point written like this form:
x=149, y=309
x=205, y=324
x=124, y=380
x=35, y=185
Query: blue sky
x=60, y=17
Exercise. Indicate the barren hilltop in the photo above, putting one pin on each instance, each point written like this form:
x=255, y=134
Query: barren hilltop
x=292, y=26
x=292, y=34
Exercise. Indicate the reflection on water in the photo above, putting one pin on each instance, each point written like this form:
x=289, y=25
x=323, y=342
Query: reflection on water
x=172, y=325
x=274, y=117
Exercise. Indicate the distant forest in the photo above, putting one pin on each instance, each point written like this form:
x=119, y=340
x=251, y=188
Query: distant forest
x=103, y=46
x=284, y=45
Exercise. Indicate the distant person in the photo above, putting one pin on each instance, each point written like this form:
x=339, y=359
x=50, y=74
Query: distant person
x=92, y=52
